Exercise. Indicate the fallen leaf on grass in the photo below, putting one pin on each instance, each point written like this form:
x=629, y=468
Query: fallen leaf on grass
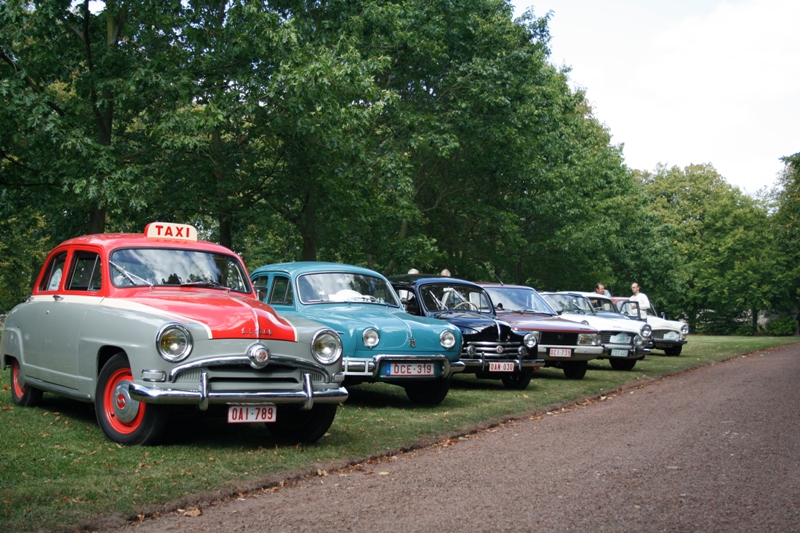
x=193, y=512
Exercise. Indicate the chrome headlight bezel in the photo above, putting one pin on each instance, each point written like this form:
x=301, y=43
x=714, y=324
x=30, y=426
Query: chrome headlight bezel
x=174, y=342
x=531, y=339
x=646, y=331
x=447, y=339
x=685, y=329
x=326, y=346
x=370, y=337
x=638, y=341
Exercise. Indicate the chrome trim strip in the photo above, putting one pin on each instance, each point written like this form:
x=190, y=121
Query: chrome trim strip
x=355, y=366
x=243, y=360
x=306, y=397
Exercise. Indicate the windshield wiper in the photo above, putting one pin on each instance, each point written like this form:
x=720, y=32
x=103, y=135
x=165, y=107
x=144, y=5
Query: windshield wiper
x=130, y=276
x=204, y=283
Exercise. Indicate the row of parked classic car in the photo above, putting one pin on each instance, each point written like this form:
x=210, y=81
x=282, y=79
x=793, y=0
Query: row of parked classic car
x=139, y=324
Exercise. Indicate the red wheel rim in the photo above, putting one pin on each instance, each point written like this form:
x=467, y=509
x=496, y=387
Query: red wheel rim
x=19, y=390
x=109, y=397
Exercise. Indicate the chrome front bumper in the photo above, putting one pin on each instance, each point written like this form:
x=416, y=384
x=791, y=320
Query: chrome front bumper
x=356, y=366
x=203, y=397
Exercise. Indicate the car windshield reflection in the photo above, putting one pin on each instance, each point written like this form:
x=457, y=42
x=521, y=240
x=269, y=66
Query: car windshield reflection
x=520, y=300
x=344, y=287
x=173, y=267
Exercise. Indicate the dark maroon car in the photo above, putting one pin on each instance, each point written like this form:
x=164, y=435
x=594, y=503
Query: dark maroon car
x=562, y=344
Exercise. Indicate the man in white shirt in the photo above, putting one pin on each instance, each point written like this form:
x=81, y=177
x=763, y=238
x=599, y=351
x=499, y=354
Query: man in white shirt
x=641, y=298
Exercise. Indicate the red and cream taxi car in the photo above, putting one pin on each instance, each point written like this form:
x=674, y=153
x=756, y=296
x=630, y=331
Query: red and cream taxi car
x=137, y=323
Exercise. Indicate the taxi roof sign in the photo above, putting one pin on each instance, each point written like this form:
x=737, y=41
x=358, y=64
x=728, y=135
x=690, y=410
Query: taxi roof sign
x=170, y=231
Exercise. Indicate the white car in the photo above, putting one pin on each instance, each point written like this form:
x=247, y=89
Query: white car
x=668, y=335
x=624, y=341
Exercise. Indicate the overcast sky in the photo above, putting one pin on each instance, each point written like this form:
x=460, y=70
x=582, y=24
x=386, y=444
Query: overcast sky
x=687, y=81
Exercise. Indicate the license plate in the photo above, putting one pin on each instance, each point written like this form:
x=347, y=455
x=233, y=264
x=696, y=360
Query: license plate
x=501, y=367
x=560, y=352
x=411, y=369
x=661, y=345
x=619, y=353
x=243, y=414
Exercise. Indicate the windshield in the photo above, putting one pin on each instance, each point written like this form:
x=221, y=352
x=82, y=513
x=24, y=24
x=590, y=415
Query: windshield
x=177, y=267
x=446, y=296
x=516, y=299
x=603, y=304
x=344, y=287
x=570, y=303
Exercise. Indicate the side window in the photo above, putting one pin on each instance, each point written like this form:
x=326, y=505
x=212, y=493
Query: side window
x=86, y=272
x=260, y=284
x=281, y=293
x=52, y=279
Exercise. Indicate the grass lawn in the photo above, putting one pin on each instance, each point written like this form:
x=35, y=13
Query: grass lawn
x=59, y=472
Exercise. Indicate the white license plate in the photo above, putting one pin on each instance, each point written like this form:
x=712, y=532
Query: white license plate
x=245, y=414
x=619, y=353
x=560, y=352
x=501, y=367
x=411, y=369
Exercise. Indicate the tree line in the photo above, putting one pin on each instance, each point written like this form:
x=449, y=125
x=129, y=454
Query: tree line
x=389, y=134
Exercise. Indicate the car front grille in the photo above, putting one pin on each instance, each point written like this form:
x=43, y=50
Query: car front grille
x=491, y=349
x=659, y=333
x=606, y=336
x=555, y=338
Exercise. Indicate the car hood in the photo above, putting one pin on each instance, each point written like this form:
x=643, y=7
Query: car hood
x=537, y=322
x=662, y=323
x=221, y=314
x=605, y=324
x=395, y=327
x=479, y=327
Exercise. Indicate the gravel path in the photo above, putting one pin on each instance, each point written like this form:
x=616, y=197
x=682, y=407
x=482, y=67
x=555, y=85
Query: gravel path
x=715, y=449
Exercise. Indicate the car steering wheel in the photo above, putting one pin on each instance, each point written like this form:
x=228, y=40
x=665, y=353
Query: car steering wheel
x=466, y=304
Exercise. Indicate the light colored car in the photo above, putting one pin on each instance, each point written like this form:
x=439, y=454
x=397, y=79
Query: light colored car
x=138, y=323
x=624, y=341
x=381, y=342
x=562, y=343
x=668, y=335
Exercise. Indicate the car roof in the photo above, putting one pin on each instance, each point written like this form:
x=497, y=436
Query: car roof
x=496, y=285
x=587, y=294
x=111, y=241
x=298, y=268
x=411, y=280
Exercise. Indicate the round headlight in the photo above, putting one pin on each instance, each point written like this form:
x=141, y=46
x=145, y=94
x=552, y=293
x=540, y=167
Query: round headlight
x=174, y=343
x=647, y=331
x=638, y=340
x=530, y=340
x=370, y=338
x=326, y=347
x=447, y=339
x=685, y=329
x=258, y=355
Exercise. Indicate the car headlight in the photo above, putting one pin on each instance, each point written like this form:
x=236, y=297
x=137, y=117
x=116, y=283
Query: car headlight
x=447, y=339
x=638, y=340
x=647, y=331
x=174, y=343
x=326, y=346
x=685, y=329
x=588, y=339
x=370, y=337
x=530, y=340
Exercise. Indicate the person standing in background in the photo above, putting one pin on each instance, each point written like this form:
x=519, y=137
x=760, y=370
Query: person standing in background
x=641, y=298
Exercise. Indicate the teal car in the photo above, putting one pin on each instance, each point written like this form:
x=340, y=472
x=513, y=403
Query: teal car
x=380, y=341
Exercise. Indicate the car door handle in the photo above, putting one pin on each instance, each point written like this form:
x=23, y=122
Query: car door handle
x=57, y=297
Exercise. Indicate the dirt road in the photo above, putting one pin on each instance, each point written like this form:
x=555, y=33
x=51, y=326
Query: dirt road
x=716, y=449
